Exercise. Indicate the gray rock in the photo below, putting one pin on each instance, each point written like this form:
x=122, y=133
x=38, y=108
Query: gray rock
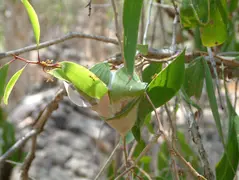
x=57, y=173
x=58, y=154
x=75, y=164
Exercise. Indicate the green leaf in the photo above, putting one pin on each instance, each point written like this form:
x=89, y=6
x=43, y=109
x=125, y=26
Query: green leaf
x=163, y=87
x=195, y=13
x=3, y=78
x=233, y=4
x=143, y=49
x=34, y=20
x=102, y=71
x=215, y=32
x=121, y=86
x=11, y=84
x=212, y=99
x=194, y=78
x=227, y=166
x=150, y=71
x=136, y=132
x=83, y=80
x=131, y=17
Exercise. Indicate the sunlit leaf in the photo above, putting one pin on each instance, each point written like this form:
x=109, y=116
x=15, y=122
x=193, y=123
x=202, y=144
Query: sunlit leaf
x=194, y=78
x=212, y=99
x=3, y=78
x=34, y=20
x=11, y=84
x=83, y=80
x=163, y=87
x=131, y=17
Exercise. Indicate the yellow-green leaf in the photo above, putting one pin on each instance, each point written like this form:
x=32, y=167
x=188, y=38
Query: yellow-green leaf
x=11, y=84
x=34, y=20
x=3, y=77
x=86, y=82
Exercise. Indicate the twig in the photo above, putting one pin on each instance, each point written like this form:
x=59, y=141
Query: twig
x=68, y=36
x=107, y=162
x=157, y=14
x=28, y=160
x=117, y=28
x=125, y=150
x=235, y=100
x=125, y=172
x=89, y=5
x=193, y=171
x=196, y=137
x=148, y=22
x=17, y=145
x=169, y=144
x=144, y=172
x=174, y=35
x=211, y=58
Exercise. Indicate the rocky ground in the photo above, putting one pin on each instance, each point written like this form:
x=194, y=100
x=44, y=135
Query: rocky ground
x=69, y=147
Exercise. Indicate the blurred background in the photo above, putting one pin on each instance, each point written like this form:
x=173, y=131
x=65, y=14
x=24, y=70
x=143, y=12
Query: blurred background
x=75, y=142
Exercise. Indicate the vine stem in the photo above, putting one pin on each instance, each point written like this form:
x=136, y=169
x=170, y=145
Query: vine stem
x=148, y=22
x=211, y=58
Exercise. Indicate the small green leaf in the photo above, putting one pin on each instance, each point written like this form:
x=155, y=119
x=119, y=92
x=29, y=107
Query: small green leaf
x=143, y=49
x=194, y=78
x=212, y=99
x=150, y=71
x=83, y=80
x=11, y=84
x=164, y=86
x=131, y=17
x=121, y=86
x=102, y=71
x=34, y=20
x=3, y=78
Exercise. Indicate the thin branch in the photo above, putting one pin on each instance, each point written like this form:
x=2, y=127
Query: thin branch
x=68, y=36
x=174, y=35
x=148, y=22
x=144, y=173
x=17, y=145
x=28, y=160
x=117, y=28
x=125, y=172
x=236, y=97
x=211, y=58
x=170, y=146
x=107, y=162
x=196, y=137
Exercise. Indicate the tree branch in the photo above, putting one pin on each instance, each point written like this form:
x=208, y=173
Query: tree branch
x=68, y=36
